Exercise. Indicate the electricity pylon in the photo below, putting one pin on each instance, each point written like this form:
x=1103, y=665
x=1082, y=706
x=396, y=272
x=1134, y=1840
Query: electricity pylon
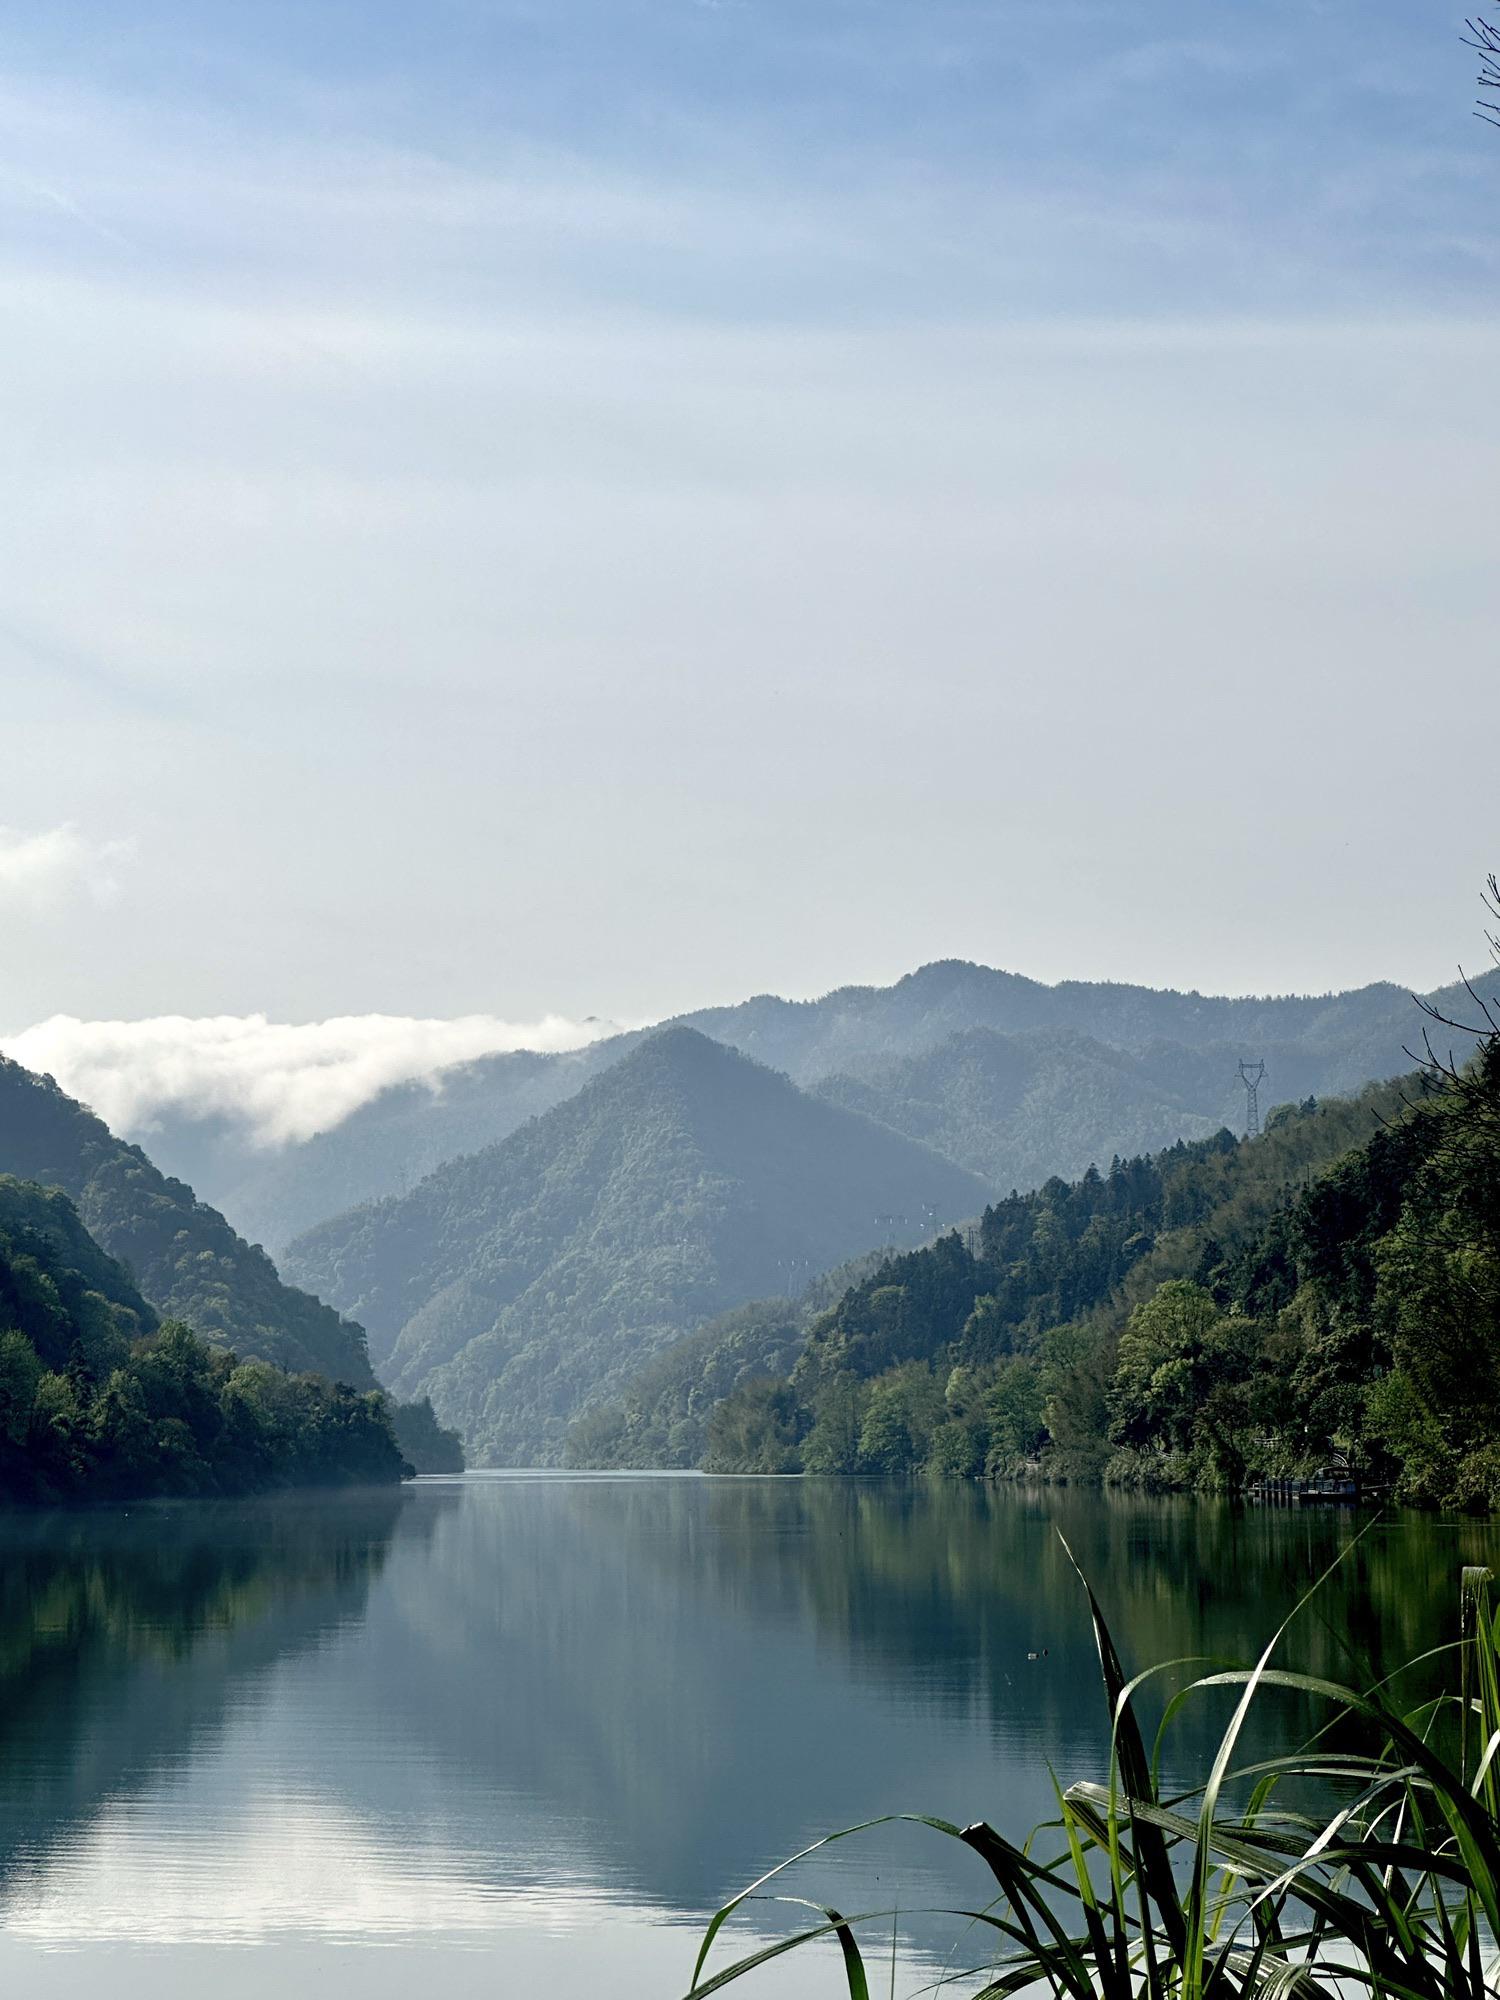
x=1252, y=1075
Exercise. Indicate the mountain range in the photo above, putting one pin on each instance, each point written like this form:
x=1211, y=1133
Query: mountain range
x=1040, y=1081
x=523, y=1233
x=517, y=1285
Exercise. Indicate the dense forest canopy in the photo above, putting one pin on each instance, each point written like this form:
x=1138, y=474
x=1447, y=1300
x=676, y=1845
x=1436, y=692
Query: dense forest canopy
x=425, y=1443
x=101, y=1400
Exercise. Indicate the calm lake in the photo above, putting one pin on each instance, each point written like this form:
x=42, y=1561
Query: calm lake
x=520, y=1734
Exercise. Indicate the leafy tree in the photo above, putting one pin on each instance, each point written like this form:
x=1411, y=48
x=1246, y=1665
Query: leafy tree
x=904, y=1410
x=1168, y=1355
x=423, y=1441
x=755, y=1431
x=833, y=1443
x=1015, y=1414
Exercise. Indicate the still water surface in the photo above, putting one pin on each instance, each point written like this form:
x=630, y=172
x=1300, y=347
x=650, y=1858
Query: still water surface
x=519, y=1734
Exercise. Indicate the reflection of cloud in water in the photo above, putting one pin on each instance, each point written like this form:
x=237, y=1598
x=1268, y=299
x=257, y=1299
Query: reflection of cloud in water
x=298, y=1872
x=133, y=1638
x=288, y=1865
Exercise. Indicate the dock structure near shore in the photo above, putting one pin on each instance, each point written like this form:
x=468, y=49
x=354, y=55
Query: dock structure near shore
x=1330, y=1483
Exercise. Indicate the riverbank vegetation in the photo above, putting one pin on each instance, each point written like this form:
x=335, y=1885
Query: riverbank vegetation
x=101, y=1400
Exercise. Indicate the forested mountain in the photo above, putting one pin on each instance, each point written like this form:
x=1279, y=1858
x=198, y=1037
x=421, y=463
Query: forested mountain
x=183, y=1255
x=1218, y=1312
x=385, y=1147
x=661, y=1418
x=100, y=1401
x=519, y=1284
x=1018, y=1108
x=1040, y=1341
x=1086, y=1070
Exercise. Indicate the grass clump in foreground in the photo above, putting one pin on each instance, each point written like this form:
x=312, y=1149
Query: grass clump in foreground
x=1392, y=1890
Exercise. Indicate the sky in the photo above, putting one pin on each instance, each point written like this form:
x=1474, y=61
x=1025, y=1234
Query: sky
x=527, y=509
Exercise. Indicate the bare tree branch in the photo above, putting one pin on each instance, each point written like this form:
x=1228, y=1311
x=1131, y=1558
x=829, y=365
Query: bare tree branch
x=1484, y=37
x=1472, y=1078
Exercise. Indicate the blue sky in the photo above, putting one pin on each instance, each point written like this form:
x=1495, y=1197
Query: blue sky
x=1137, y=156
x=610, y=507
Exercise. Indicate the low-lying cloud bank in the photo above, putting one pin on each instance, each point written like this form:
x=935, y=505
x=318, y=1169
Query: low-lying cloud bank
x=284, y=1081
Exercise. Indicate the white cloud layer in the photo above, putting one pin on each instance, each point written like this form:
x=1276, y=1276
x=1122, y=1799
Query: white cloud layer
x=41, y=871
x=284, y=1081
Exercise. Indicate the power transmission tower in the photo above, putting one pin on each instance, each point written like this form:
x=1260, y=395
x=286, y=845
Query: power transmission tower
x=1252, y=1075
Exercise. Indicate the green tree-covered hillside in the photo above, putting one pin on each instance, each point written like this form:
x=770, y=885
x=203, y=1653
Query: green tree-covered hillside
x=662, y=1417
x=519, y=1285
x=99, y=1400
x=184, y=1256
x=1194, y=1317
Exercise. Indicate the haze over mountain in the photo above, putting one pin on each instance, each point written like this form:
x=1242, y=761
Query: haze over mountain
x=1099, y=1068
x=1019, y=1108
x=385, y=1147
x=516, y=1285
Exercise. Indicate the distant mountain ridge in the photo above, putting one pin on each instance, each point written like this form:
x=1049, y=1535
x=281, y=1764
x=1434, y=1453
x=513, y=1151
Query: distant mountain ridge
x=517, y=1285
x=1185, y=1048
x=1020, y=1108
x=815, y=1038
x=182, y=1254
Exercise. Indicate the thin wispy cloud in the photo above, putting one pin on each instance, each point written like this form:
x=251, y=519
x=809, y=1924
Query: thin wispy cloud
x=468, y=479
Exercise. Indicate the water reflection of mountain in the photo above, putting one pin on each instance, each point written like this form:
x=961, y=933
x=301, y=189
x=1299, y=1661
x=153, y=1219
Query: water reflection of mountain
x=127, y=1636
x=686, y=1677
x=645, y=1689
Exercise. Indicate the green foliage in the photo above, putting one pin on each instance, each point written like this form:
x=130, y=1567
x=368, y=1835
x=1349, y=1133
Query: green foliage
x=99, y=1401
x=904, y=1409
x=1013, y=1416
x=1077, y=1373
x=662, y=1418
x=833, y=1442
x=754, y=1431
x=1020, y=1108
x=424, y=1443
x=1220, y=1312
x=523, y=1286
x=1053, y=1281
x=183, y=1255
